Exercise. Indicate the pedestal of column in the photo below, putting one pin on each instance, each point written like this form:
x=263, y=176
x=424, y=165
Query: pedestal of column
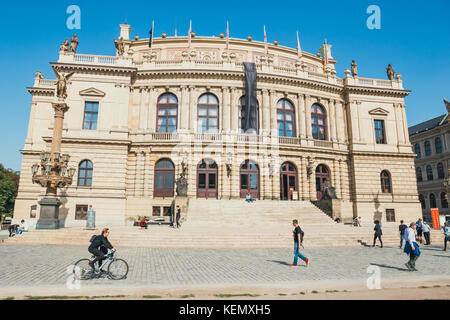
x=49, y=216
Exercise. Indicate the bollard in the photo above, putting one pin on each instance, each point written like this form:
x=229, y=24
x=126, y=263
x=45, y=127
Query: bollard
x=90, y=221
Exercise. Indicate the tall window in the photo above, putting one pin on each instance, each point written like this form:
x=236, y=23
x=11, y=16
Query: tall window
x=432, y=201
x=380, y=136
x=85, y=171
x=444, y=202
x=90, y=116
x=164, y=178
x=440, y=170
x=286, y=118
x=319, y=122
x=255, y=117
x=422, y=201
x=427, y=148
x=419, y=174
x=167, y=109
x=208, y=114
x=417, y=150
x=438, y=145
x=385, y=182
x=429, y=173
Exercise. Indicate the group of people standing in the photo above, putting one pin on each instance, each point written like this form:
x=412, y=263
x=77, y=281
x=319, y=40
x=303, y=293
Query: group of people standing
x=173, y=223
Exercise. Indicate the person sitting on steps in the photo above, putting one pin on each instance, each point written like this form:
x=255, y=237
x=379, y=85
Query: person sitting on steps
x=249, y=198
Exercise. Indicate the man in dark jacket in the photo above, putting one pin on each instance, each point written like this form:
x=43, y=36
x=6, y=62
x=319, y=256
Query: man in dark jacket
x=99, y=248
x=178, y=216
x=378, y=233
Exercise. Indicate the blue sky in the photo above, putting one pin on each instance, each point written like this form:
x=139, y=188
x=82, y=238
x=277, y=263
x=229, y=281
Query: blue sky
x=414, y=38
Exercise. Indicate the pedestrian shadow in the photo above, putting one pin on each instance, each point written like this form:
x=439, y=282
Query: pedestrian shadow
x=388, y=267
x=436, y=255
x=364, y=243
x=284, y=263
x=430, y=249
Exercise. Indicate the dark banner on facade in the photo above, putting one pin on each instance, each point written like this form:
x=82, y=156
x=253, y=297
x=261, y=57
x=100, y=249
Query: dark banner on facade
x=251, y=104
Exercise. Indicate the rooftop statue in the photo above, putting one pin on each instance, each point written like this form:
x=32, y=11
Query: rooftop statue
x=329, y=192
x=447, y=105
x=120, y=46
x=65, y=46
x=354, y=69
x=390, y=72
x=61, y=84
x=74, y=43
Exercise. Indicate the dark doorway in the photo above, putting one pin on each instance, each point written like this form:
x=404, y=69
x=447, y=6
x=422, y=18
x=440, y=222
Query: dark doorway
x=207, y=179
x=249, y=179
x=322, y=175
x=288, y=181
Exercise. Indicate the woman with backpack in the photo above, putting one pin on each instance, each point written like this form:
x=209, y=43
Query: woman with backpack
x=99, y=248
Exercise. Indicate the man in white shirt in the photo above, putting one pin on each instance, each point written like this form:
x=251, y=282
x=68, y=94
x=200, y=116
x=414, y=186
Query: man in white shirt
x=23, y=227
x=411, y=247
x=426, y=233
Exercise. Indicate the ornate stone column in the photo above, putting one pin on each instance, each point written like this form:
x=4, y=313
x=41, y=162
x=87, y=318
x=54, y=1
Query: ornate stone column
x=234, y=111
x=301, y=124
x=333, y=120
x=308, y=116
x=266, y=111
x=227, y=109
x=273, y=114
x=340, y=124
x=184, y=110
x=192, y=109
x=353, y=119
x=143, y=111
x=152, y=109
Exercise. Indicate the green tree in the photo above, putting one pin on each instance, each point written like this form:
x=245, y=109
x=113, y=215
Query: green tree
x=9, y=184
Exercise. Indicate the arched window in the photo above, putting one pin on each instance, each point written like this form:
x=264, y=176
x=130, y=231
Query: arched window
x=432, y=201
x=208, y=114
x=319, y=122
x=417, y=150
x=444, y=202
x=385, y=182
x=164, y=178
x=419, y=174
x=422, y=201
x=85, y=171
x=286, y=118
x=440, y=170
x=254, y=117
x=427, y=148
x=429, y=173
x=167, y=109
x=438, y=145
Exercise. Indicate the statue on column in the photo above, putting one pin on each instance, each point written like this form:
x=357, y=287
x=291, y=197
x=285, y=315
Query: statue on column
x=354, y=69
x=61, y=84
x=182, y=184
x=329, y=192
x=74, y=43
x=390, y=72
x=447, y=105
x=65, y=46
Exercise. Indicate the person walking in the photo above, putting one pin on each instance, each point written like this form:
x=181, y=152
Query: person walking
x=419, y=230
x=426, y=233
x=378, y=233
x=297, y=241
x=178, y=217
x=446, y=234
x=172, y=220
x=411, y=247
x=401, y=229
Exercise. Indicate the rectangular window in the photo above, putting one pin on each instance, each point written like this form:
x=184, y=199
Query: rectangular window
x=380, y=136
x=33, y=212
x=90, y=116
x=81, y=212
x=156, y=211
x=390, y=215
x=167, y=211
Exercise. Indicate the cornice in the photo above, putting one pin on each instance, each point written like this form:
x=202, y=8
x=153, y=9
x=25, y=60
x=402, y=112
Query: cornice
x=377, y=91
x=383, y=154
x=36, y=91
x=90, y=141
x=92, y=68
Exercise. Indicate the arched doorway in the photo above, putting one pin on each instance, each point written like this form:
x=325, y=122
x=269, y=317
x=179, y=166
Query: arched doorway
x=164, y=178
x=288, y=181
x=322, y=175
x=207, y=179
x=249, y=179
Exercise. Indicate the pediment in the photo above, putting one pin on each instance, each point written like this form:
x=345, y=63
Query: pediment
x=92, y=92
x=379, y=112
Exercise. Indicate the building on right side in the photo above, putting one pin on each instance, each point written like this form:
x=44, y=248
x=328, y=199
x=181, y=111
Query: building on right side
x=431, y=143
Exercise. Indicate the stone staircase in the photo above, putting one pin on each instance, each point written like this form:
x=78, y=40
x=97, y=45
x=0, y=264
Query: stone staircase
x=230, y=224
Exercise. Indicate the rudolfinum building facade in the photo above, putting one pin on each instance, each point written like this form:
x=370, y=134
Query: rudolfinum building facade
x=137, y=118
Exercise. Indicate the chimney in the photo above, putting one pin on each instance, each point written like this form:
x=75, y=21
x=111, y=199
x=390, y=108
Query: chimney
x=125, y=30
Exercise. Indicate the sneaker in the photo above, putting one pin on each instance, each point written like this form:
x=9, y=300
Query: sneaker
x=293, y=265
x=408, y=266
x=307, y=262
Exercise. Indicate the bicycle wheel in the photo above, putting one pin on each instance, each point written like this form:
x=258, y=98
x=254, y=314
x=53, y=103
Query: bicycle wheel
x=82, y=270
x=118, y=269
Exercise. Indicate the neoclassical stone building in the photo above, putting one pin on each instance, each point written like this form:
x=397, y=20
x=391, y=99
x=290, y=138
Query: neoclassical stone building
x=135, y=118
x=431, y=144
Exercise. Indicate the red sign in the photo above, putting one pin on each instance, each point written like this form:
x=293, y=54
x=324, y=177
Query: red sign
x=435, y=217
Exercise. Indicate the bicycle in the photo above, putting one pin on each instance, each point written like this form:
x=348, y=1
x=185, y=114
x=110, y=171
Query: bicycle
x=117, y=268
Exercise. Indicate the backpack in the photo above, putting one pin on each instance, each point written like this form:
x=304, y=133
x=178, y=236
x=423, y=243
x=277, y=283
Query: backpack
x=302, y=233
x=93, y=238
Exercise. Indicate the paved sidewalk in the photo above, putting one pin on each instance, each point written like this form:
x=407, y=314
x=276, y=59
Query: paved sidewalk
x=45, y=266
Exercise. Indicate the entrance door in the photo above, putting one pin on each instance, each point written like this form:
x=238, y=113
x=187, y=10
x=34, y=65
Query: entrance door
x=207, y=179
x=322, y=175
x=288, y=181
x=249, y=179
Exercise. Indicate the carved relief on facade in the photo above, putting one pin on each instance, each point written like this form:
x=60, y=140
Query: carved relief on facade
x=174, y=54
x=311, y=68
x=241, y=56
x=286, y=63
x=205, y=54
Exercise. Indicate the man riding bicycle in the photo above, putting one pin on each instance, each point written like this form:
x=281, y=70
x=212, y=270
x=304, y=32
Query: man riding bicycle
x=99, y=248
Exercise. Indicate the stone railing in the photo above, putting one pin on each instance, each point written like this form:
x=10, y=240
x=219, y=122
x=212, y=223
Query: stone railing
x=94, y=59
x=44, y=82
x=374, y=83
